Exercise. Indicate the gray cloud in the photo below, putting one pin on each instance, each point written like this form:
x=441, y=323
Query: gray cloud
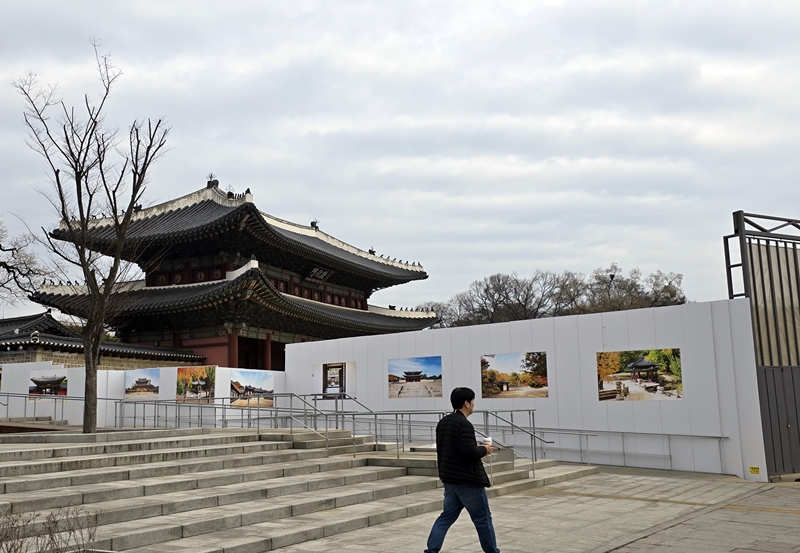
x=475, y=138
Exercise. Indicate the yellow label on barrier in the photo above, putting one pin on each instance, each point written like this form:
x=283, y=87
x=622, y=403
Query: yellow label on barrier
x=755, y=470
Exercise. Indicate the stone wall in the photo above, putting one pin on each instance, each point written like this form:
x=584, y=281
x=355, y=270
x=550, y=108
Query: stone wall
x=17, y=357
x=72, y=360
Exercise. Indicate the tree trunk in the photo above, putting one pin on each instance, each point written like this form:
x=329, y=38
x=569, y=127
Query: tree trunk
x=92, y=339
x=90, y=392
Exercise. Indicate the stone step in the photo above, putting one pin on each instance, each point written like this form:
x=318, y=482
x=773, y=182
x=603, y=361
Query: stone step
x=126, y=446
x=48, y=481
x=429, y=461
x=277, y=533
x=236, y=490
x=305, y=492
x=63, y=437
x=70, y=463
x=283, y=435
x=318, y=443
x=498, y=466
x=499, y=454
x=33, y=482
x=285, y=502
x=349, y=481
x=282, y=532
x=154, y=486
x=511, y=475
x=246, y=479
x=348, y=449
x=544, y=477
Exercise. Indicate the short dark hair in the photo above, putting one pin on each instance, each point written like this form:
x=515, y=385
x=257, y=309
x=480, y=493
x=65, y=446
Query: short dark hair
x=460, y=396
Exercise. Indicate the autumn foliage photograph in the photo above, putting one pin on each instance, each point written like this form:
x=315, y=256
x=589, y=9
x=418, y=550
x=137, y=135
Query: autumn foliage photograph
x=195, y=384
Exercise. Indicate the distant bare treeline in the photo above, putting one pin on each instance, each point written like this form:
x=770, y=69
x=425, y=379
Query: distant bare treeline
x=502, y=298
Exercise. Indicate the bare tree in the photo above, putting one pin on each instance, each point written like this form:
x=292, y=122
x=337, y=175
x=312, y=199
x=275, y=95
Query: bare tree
x=501, y=298
x=93, y=175
x=445, y=313
x=18, y=266
x=610, y=289
x=569, y=293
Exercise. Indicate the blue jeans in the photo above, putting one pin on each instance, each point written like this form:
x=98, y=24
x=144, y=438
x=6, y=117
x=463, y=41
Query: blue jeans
x=474, y=499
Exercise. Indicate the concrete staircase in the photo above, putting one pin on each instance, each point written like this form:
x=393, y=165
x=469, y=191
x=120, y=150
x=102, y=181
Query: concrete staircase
x=231, y=491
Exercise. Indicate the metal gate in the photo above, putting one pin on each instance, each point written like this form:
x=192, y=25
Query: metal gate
x=779, y=393
x=764, y=266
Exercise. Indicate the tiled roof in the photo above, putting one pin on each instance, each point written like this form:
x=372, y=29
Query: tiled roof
x=117, y=349
x=251, y=285
x=210, y=212
x=43, y=322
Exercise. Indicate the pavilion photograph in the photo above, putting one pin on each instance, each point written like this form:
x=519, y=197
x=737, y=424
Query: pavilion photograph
x=640, y=375
x=251, y=388
x=54, y=385
x=142, y=384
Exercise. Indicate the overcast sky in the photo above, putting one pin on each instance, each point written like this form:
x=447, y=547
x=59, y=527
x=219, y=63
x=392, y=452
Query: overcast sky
x=472, y=137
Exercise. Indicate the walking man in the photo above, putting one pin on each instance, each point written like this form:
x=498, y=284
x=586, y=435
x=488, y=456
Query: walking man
x=461, y=471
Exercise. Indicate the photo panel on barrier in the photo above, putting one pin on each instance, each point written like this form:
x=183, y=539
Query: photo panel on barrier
x=44, y=383
x=196, y=384
x=640, y=375
x=415, y=377
x=334, y=379
x=514, y=375
x=142, y=384
x=251, y=388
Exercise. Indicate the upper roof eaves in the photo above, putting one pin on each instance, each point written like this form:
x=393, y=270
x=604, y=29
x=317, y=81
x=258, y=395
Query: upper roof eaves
x=193, y=211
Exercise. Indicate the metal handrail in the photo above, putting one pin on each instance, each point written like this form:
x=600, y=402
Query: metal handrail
x=531, y=433
x=401, y=423
x=327, y=396
x=291, y=413
x=37, y=398
x=623, y=433
x=301, y=408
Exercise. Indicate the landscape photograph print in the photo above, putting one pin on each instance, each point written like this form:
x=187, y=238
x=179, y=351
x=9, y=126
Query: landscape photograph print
x=47, y=385
x=251, y=388
x=639, y=375
x=514, y=375
x=415, y=377
x=142, y=384
x=196, y=384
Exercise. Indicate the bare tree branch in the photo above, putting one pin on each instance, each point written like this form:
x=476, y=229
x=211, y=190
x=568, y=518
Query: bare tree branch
x=19, y=268
x=502, y=298
x=92, y=175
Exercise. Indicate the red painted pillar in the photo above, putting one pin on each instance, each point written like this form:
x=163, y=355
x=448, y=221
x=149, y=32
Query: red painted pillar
x=233, y=348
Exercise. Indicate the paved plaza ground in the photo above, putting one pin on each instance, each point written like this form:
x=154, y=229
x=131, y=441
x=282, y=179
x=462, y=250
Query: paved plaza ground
x=426, y=388
x=621, y=510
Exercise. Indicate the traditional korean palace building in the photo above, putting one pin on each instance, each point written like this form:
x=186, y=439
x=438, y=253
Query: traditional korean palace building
x=235, y=285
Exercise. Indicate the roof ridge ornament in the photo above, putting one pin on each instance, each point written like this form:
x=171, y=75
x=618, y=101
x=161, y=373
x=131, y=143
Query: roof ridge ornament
x=212, y=181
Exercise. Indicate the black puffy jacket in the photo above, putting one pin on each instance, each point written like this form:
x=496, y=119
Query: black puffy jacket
x=458, y=453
